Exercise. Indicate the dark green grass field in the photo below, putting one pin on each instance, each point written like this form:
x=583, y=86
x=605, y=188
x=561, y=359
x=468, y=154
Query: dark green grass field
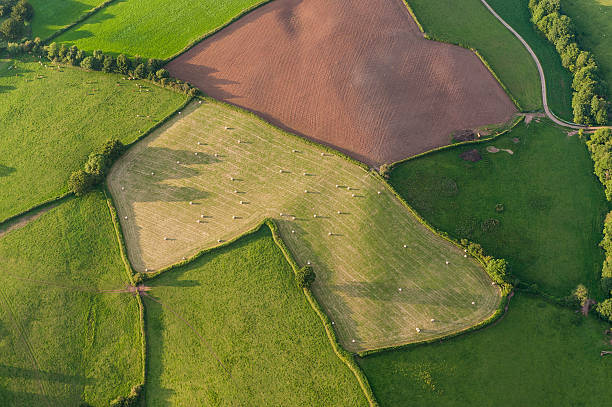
x=153, y=28
x=554, y=206
x=470, y=24
x=558, y=79
x=52, y=15
x=538, y=355
x=51, y=119
x=244, y=303
x=62, y=343
x=593, y=22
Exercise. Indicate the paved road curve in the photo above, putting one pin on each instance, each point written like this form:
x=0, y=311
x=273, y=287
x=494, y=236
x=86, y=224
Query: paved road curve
x=550, y=114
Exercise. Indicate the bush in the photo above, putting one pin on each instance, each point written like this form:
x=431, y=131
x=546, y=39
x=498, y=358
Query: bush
x=123, y=64
x=12, y=29
x=604, y=309
x=108, y=65
x=498, y=270
x=580, y=294
x=305, y=277
x=162, y=73
x=112, y=149
x=81, y=182
x=22, y=11
x=88, y=63
x=140, y=71
x=97, y=165
x=499, y=208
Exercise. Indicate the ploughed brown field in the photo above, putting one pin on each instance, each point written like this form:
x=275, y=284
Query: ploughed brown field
x=356, y=75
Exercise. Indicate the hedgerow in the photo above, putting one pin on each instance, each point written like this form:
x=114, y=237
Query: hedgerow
x=588, y=104
x=96, y=167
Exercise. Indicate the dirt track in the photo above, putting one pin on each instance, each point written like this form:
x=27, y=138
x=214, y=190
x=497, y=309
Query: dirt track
x=355, y=75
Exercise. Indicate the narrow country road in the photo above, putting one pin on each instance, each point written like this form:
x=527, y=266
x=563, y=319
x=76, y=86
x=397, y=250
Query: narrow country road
x=550, y=114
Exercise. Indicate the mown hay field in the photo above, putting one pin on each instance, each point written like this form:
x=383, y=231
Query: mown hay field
x=549, y=353
x=260, y=339
x=214, y=172
x=558, y=79
x=553, y=206
x=366, y=83
x=592, y=20
x=62, y=342
x=52, y=15
x=470, y=24
x=153, y=28
x=51, y=119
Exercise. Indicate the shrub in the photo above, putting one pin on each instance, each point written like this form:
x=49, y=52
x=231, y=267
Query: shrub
x=604, y=309
x=108, y=65
x=305, y=277
x=96, y=165
x=88, y=63
x=499, y=208
x=123, y=64
x=112, y=149
x=140, y=71
x=12, y=29
x=162, y=73
x=80, y=182
x=581, y=294
x=22, y=11
x=498, y=270
x=384, y=170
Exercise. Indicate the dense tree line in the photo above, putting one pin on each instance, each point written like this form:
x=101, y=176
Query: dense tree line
x=134, y=68
x=496, y=268
x=17, y=13
x=588, y=104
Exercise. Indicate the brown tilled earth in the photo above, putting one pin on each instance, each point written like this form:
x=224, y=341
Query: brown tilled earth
x=357, y=75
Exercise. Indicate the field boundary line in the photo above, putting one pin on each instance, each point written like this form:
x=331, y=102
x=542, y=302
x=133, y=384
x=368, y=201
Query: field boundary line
x=432, y=37
x=130, y=273
x=500, y=133
x=36, y=207
x=342, y=354
x=78, y=21
x=198, y=40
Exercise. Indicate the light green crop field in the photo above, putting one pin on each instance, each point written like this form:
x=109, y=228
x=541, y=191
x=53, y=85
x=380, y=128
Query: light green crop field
x=539, y=355
x=52, y=119
x=52, y=15
x=380, y=273
x=62, y=342
x=552, y=221
x=260, y=344
x=592, y=21
x=558, y=79
x=470, y=24
x=153, y=28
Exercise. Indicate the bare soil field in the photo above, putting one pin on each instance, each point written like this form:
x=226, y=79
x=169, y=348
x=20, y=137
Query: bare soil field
x=365, y=83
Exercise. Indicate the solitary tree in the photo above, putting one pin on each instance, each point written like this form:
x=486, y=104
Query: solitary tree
x=581, y=294
x=305, y=277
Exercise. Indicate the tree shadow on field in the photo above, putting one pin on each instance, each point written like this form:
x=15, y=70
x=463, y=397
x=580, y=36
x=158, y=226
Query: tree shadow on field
x=4, y=170
x=203, y=77
x=77, y=33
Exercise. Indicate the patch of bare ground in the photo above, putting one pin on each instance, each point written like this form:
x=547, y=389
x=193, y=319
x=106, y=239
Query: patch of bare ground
x=356, y=75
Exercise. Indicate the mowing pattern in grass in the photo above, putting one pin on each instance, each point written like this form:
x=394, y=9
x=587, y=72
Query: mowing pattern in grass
x=558, y=79
x=153, y=28
x=552, y=219
x=470, y=24
x=593, y=23
x=61, y=345
x=51, y=119
x=538, y=355
x=51, y=15
x=380, y=273
x=245, y=304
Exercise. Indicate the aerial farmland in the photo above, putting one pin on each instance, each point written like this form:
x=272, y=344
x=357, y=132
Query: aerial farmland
x=305, y=203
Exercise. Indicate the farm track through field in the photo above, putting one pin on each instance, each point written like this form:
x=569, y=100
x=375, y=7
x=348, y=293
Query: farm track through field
x=547, y=110
x=214, y=172
x=368, y=84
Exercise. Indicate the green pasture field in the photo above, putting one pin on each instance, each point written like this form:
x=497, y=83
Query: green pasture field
x=363, y=246
x=539, y=355
x=52, y=119
x=61, y=342
x=552, y=221
x=244, y=303
x=592, y=21
x=558, y=79
x=470, y=24
x=52, y=15
x=153, y=28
